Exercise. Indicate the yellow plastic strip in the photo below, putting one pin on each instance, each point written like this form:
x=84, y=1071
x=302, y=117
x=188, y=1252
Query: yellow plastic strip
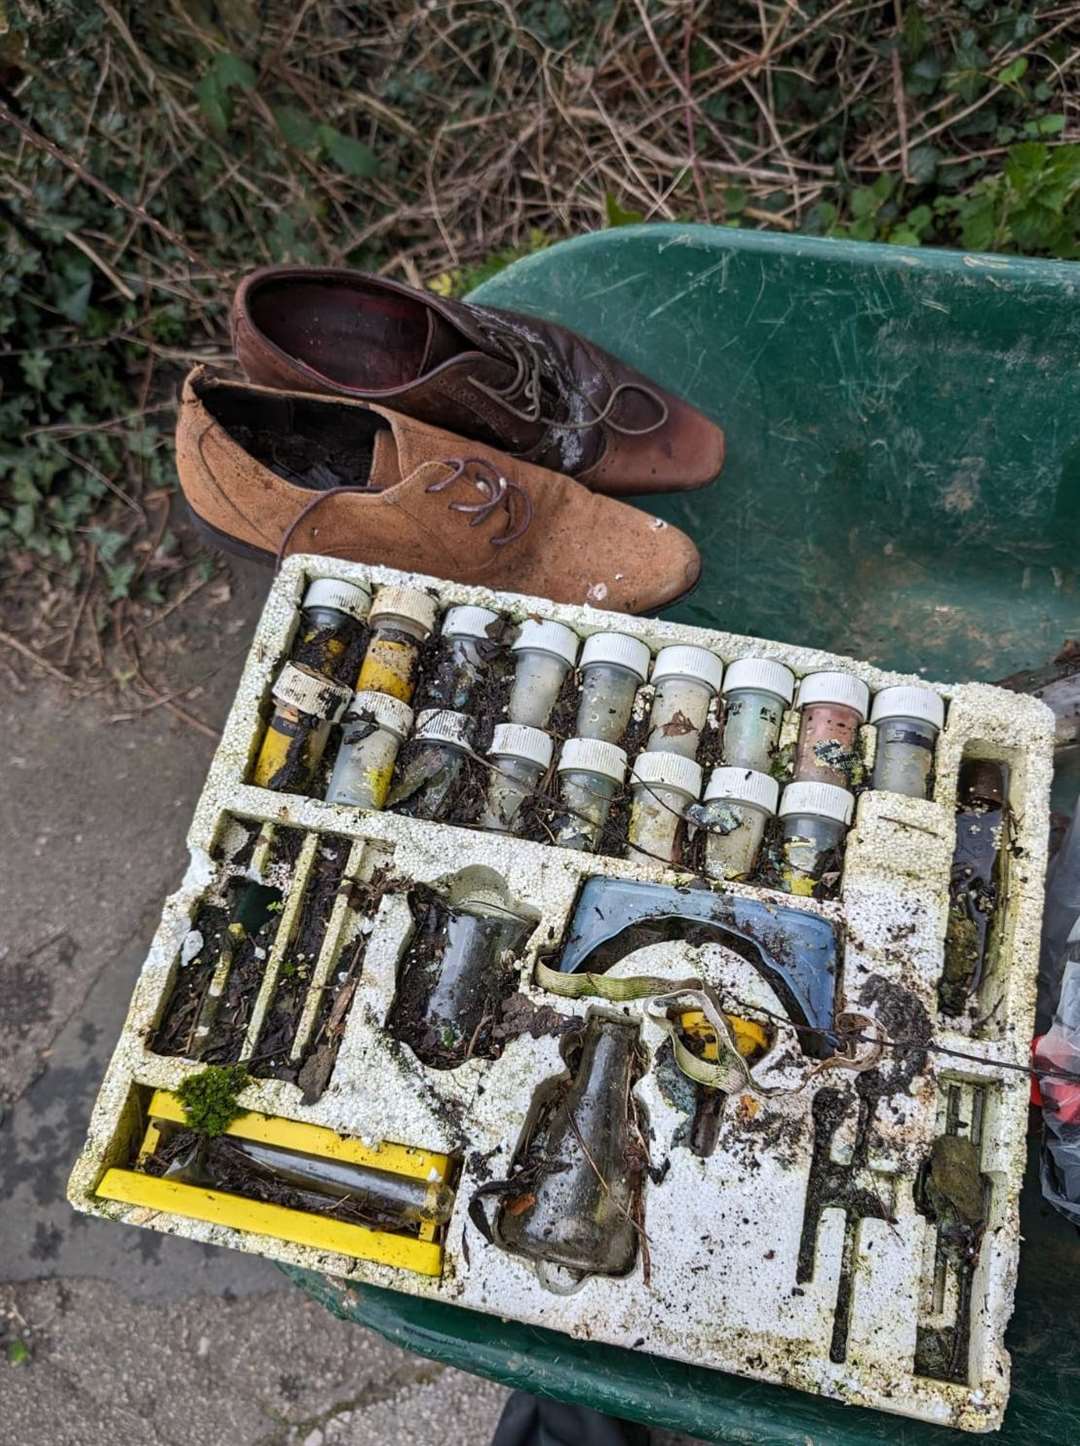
x=256, y=1217
x=314, y=1140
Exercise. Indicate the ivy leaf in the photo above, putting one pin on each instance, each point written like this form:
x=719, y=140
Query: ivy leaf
x=298, y=128
x=35, y=368
x=214, y=103
x=74, y=305
x=923, y=164
x=1013, y=72
x=107, y=542
x=351, y=156
x=617, y=215
x=232, y=72
x=119, y=577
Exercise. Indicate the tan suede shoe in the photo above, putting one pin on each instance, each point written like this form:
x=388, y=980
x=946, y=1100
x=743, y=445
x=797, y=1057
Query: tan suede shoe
x=267, y=472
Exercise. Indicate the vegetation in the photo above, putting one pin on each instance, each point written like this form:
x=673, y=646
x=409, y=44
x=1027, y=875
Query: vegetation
x=209, y=1097
x=154, y=153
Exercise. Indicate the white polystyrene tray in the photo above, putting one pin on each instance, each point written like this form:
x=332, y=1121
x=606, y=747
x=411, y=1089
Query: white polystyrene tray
x=723, y=1232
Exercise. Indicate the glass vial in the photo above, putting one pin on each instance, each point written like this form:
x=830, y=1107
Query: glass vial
x=576, y=1215
x=591, y=772
x=686, y=679
x=756, y=692
x=662, y=787
x=465, y=650
x=401, y=619
x=814, y=819
x=738, y=804
x=613, y=667
x=834, y=706
x=331, y=616
x=520, y=756
x=305, y=705
x=372, y=731
x=428, y=778
x=544, y=652
x=908, y=721
x=456, y=973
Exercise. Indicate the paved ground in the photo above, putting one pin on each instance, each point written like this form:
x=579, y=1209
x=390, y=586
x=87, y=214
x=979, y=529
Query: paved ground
x=134, y=1338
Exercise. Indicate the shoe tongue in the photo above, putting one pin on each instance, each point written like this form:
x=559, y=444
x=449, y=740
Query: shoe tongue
x=385, y=461
x=444, y=341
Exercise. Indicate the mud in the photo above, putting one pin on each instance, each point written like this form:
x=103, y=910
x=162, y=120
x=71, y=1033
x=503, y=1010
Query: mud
x=273, y=1047
x=173, y=1034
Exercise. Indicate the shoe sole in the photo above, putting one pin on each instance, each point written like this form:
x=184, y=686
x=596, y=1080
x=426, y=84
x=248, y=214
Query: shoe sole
x=227, y=543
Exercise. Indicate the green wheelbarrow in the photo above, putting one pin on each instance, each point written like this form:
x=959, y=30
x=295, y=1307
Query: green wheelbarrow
x=902, y=485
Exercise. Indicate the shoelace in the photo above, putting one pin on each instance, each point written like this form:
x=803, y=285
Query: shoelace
x=529, y=366
x=496, y=490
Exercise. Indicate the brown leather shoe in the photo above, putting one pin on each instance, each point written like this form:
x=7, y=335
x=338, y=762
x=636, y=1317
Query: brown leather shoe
x=523, y=385
x=267, y=472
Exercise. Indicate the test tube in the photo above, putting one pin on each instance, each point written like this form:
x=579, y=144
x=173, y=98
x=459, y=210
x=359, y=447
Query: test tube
x=613, y=667
x=591, y=772
x=908, y=721
x=756, y=692
x=738, y=804
x=305, y=705
x=521, y=756
x=686, y=679
x=401, y=619
x=466, y=648
x=833, y=705
x=331, y=616
x=544, y=652
x=814, y=819
x=662, y=785
x=372, y=731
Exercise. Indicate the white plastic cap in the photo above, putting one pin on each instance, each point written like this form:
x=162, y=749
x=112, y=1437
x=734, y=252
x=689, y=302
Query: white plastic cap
x=309, y=692
x=351, y=598
x=743, y=785
x=468, y=622
x=593, y=755
x=548, y=637
x=443, y=725
x=843, y=689
x=761, y=675
x=517, y=740
x=820, y=800
x=620, y=649
x=668, y=770
x=389, y=713
x=681, y=661
x=908, y=702
x=408, y=603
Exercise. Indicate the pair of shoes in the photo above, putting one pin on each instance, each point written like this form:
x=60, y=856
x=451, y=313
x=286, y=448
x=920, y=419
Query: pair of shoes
x=349, y=439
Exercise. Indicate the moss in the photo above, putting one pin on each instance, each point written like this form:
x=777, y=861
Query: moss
x=209, y=1097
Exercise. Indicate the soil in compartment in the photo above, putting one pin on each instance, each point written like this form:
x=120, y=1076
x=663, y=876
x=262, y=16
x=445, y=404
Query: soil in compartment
x=458, y=970
x=274, y=1044
x=254, y=924
x=976, y=881
x=194, y=970
x=375, y=1198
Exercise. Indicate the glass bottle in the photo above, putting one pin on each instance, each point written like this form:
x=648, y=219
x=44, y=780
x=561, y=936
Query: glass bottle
x=544, y=652
x=756, y=691
x=662, y=786
x=591, y=772
x=687, y=679
x=372, y=731
x=465, y=650
x=833, y=705
x=520, y=757
x=455, y=975
x=331, y=616
x=738, y=804
x=613, y=667
x=575, y=1216
x=908, y=721
x=428, y=778
x=814, y=819
x=305, y=705
x=401, y=619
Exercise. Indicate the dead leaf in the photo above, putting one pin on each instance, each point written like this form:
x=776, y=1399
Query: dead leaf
x=520, y=1204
